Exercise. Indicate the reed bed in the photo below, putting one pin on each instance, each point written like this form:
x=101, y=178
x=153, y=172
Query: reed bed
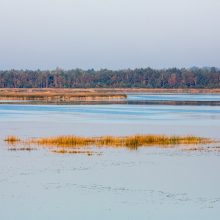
x=12, y=139
x=126, y=141
x=60, y=95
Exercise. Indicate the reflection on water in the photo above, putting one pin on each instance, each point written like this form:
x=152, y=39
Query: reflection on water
x=149, y=183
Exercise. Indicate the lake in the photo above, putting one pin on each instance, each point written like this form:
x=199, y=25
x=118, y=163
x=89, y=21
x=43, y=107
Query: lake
x=116, y=183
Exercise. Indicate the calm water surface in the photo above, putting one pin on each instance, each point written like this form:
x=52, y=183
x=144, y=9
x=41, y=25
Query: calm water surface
x=149, y=183
x=174, y=97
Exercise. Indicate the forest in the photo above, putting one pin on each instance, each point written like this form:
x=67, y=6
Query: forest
x=104, y=78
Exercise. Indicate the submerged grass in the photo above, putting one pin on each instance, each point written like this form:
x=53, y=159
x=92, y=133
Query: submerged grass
x=65, y=151
x=126, y=141
x=21, y=149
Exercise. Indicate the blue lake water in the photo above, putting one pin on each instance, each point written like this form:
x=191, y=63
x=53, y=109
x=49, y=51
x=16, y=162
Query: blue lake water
x=174, y=97
x=149, y=183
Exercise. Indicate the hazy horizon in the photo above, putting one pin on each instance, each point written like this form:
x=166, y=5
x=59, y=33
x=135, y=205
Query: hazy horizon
x=109, y=34
x=99, y=69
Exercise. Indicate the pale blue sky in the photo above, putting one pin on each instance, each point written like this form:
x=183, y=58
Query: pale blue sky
x=112, y=34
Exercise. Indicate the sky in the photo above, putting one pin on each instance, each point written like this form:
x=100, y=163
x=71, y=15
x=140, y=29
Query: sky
x=113, y=34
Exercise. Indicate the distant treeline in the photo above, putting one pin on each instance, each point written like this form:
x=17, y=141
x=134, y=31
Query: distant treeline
x=142, y=78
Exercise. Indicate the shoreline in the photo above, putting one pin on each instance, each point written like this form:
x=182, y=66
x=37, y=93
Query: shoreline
x=77, y=95
x=106, y=90
x=59, y=95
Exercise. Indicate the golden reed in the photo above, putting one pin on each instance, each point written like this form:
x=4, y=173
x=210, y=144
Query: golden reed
x=114, y=141
x=12, y=139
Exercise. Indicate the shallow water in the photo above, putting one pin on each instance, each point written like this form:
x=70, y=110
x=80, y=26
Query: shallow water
x=150, y=183
x=174, y=97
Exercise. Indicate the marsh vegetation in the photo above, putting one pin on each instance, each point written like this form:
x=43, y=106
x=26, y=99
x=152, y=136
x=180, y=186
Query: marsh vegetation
x=126, y=141
x=133, y=141
x=12, y=139
x=59, y=95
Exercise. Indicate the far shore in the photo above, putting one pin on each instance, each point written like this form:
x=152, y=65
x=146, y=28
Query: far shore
x=104, y=90
x=88, y=94
x=58, y=94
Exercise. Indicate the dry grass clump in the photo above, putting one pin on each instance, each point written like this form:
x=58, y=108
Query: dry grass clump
x=127, y=141
x=12, y=139
x=59, y=94
x=149, y=140
x=64, y=141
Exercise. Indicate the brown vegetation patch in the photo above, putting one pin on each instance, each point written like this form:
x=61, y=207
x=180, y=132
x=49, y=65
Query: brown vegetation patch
x=82, y=145
x=12, y=139
x=126, y=141
x=59, y=95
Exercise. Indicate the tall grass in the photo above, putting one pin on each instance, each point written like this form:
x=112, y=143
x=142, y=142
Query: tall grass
x=126, y=141
x=12, y=139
